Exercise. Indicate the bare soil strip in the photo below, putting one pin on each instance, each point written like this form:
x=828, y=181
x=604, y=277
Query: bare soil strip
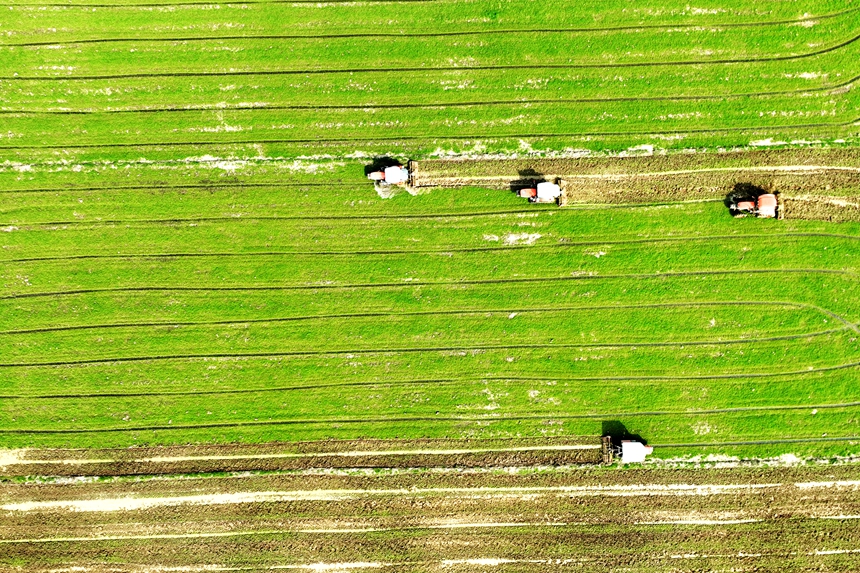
x=813, y=184
x=305, y=455
x=595, y=519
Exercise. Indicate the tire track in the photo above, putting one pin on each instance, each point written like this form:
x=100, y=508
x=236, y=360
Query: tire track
x=255, y=218
x=398, y=252
x=456, y=33
x=413, y=350
x=218, y=185
x=413, y=419
x=451, y=137
x=205, y=3
x=522, y=280
x=477, y=103
x=798, y=169
x=763, y=442
x=424, y=70
x=454, y=312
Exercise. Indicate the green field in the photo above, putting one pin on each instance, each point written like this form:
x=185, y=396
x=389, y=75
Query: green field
x=191, y=252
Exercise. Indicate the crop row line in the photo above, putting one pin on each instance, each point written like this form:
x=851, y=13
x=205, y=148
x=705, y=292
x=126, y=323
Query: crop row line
x=319, y=385
x=440, y=418
x=212, y=185
x=414, y=284
x=450, y=312
x=424, y=105
x=486, y=32
x=425, y=69
x=416, y=350
x=439, y=251
x=206, y=3
x=436, y=137
x=255, y=218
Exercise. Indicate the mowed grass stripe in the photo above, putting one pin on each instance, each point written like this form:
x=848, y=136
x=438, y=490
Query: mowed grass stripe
x=444, y=312
x=407, y=34
x=123, y=5
x=413, y=284
x=436, y=349
x=787, y=375
x=409, y=69
x=443, y=137
x=438, y=104
x=508, y=416
x=763, y=238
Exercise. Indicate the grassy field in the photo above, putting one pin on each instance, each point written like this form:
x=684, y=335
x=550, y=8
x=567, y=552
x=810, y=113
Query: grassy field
x=191, y=253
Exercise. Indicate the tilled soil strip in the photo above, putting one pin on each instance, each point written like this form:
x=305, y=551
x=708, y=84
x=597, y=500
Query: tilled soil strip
x=303, y=455
x=641, y=490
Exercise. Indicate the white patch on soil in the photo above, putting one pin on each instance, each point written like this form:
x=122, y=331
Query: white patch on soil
x=769, y=142
x=521, y=238
x=11, y=457
x=699, y=522
x=828, y=484
x=702, y=429
x=138, y=503
x=486, y=562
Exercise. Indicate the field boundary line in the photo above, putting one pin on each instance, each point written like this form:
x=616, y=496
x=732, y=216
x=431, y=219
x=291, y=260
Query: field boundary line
x=519, y=280
x=442, y=312
x=476, y=103
x=398, y=252
x=453, y=137
x=397, y=35
x=413, y=350
x=412, y=69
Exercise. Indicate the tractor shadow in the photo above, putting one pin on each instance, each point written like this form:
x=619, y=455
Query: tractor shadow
x=744, y=191
x=380, y=163
x=617, y=433
x=528, y=178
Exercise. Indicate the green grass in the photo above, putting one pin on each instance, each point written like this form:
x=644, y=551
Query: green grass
x=175, y=275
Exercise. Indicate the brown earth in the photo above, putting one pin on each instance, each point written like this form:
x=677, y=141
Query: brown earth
x=792, y=173
x=304, y=455
x=834, y=209
x=589, y=518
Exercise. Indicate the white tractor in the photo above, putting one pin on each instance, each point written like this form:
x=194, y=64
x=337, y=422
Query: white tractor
x=394, y=175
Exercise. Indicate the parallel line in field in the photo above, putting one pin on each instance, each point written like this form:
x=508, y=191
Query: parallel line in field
x=475, y=103
x=213, y=185
x=208, y=3
x=430, y=418
x=764, y=442
x=485, y=32
x=530, y=209
x=440, y=251
x=317, y=385
x=406, y=69
x=451, y=312
x=435, y=137
x=416, y=350
x=521, y=280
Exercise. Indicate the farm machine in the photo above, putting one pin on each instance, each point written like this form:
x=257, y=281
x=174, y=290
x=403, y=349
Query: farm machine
x=543, y=192
x=765, y=206
x=388, y=176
